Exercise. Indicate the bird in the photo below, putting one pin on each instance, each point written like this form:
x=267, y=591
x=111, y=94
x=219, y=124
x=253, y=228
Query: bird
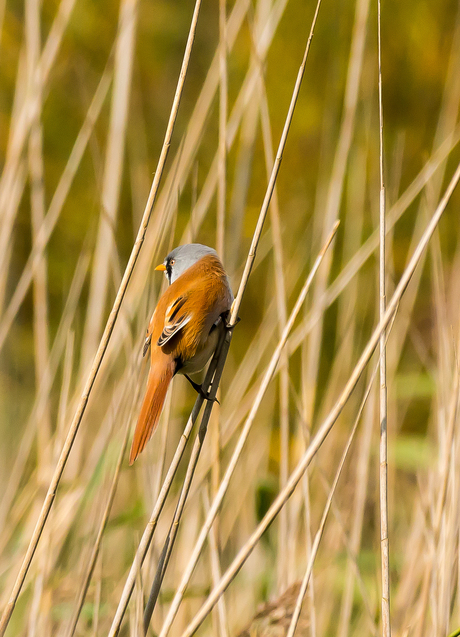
x=184, y=330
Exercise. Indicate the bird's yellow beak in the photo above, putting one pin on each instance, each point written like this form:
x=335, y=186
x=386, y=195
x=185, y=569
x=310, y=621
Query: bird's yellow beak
x=161, y=267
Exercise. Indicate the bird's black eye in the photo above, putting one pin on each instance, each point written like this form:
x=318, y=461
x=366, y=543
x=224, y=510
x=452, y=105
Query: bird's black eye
x=172, y=262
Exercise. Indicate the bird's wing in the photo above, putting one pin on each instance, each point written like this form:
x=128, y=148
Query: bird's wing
x=176, y=317
x=148, y=337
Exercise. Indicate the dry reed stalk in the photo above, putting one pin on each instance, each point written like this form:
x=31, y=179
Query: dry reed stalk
x=36, y=170
x=223, y=109
x=306, y=415
x=111, y=180
x=383, y=448
x=306, y=431
x=105, y=338
x=360, y=491
x=97, y=597
x=220, y=243
x=446, y=586
x=64, y=393
x=9, y=208
x=328, y=423
x=41, y=337
x=279, y=268
x=222, y=614
x=137, y=611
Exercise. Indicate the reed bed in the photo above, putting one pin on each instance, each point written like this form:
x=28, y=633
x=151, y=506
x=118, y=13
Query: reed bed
x=117, y=146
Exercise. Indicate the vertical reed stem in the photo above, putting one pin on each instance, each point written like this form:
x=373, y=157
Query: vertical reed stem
x=384, y=543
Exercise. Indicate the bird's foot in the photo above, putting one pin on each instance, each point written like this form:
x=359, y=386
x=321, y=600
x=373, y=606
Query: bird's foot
x=199, y=390
x=226, y=319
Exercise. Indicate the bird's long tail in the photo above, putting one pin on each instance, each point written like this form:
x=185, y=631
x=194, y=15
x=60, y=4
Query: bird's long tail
x=161, y=373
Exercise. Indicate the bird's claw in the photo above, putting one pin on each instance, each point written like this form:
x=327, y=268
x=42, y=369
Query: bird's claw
x=226, y=319
x=199, y=390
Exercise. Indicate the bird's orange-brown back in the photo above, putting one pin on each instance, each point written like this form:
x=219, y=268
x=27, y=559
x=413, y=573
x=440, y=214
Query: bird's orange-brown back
x=201, y=285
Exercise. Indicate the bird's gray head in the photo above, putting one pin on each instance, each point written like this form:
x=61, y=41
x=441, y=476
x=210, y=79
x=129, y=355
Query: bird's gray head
x=181, y=258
